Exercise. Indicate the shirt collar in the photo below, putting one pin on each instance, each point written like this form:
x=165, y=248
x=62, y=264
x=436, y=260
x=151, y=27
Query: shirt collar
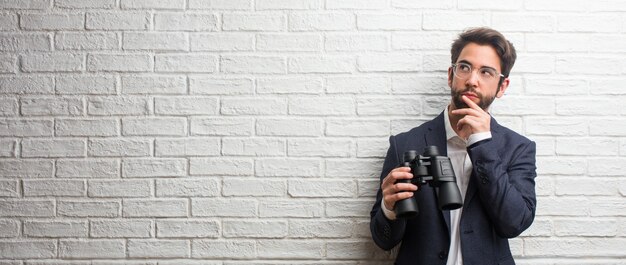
x=449, y=131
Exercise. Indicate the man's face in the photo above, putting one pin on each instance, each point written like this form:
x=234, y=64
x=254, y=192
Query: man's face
x=477, y=86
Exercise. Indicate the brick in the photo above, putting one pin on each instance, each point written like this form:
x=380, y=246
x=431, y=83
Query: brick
x=56, y=106
x=81, y=84
x=86, y=41
x=8, y=148
x=155, y=208
x=324, y=64
x=349, y=208
x=9, y=188
x=586, y=187
x=608, y=207
x=28, y=249
x=558, y=86
x=150, y=248
x=356, y=4
x=572, y=64
x=26, y=208
x=421, y=41
x=152, y=167
x=9, y=228
x=525, y=106
x=16, y=42
x=154, y=84
x=202, y=187
x=150, y=4
x=216, y=86
x=560, y=165
x=362, y=168
x=283, y=167
x=354, y=250
x=223, y=207
x=607, y=43
x=187, y=228
x=446, y=4
x=8, y=21
x=559, y=206
x=548, y=42
x=237, y=64
x=254, y=187
x=357, y=128
x=288, y=4
x=396, y=21
x=289, y=85
x=587, y=146
x=388, y=106
x=389, y=63
x=53, y=148
x=55, y=228
x=559, y=5
x=211, y=248
x=560, y=127
x=155, y=41
x=523, y=22
x=121, y=228
x=607, y=166
x=367, y=188
x=291, y=208
x=319, y=147
x=8, y=62
x=52, y=21
x=87, y=127
x=321, y=188
x=57, y=188
x=91, y=4
x=289, y=127
x=185, y=22
x=253, y=22
x=91, y=208
x=607, y=127
x=371, y=147
x=322, y=106
x=312, y=229
x=127, y=20
x=300, y=21
x=154, y=126
x=96, y=168
x=27, y=85
x=577, y=247
x=91, y=248
x=288, y=42
x=445, y=20
x=587, y=23
x=222, y=126
x=220, y=166
x=196, y=63
x=254, y=229
x=24, y=168
x=221, y=41
x=253, y=106
x=125, y=188
x=8, y=107
x=187, y=147
x=289, y=249
x=119, y=63
x=356, y=42
x=220, y=4
x=185, y=105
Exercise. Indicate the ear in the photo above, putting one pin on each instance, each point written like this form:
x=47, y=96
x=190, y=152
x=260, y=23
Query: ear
x=450, y=76
x=503, y=87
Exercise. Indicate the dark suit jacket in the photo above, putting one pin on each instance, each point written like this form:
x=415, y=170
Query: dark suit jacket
x=499, y=204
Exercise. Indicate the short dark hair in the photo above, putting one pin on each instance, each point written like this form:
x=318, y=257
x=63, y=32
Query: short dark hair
x=487, y=36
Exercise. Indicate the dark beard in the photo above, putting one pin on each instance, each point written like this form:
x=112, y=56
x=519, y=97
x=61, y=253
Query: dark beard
x=483, y=103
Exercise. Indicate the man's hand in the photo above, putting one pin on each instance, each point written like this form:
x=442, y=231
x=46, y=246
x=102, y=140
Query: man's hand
x=475, y=118
x=392, y=191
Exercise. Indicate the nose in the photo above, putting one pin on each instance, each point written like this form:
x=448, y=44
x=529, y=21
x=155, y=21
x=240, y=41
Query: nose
x=472, y=80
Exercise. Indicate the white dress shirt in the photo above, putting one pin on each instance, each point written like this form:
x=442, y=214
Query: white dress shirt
x=462, y=166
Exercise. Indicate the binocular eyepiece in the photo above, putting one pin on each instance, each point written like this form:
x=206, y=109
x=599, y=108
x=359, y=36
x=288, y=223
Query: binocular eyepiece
x=435, y=170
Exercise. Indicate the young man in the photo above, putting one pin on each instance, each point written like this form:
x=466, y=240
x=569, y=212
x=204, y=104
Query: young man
x=494, y=168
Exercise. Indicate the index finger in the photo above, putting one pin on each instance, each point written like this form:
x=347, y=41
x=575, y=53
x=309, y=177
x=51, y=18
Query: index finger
x=470, y=103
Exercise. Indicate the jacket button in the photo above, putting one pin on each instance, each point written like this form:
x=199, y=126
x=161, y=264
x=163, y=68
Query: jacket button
x=443, y=255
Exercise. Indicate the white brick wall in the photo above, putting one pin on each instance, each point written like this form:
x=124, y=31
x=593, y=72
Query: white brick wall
x=231, y=132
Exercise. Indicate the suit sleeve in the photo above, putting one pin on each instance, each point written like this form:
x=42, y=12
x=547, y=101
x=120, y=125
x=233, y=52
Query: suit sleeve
x=506, y=188
x=386, y=233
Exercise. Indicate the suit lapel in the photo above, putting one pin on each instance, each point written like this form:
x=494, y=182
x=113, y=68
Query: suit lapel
x=437, y=136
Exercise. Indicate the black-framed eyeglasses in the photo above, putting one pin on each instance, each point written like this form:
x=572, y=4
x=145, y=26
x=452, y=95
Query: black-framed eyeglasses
x=485, y=74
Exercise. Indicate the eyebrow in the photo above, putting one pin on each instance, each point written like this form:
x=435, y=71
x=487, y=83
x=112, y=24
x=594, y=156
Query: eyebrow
x=467, y=62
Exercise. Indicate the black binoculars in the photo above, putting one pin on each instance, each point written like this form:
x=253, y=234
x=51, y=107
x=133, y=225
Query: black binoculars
x=430, y=168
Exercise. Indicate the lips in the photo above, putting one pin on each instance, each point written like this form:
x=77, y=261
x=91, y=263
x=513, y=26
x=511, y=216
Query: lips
x=470, y=95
